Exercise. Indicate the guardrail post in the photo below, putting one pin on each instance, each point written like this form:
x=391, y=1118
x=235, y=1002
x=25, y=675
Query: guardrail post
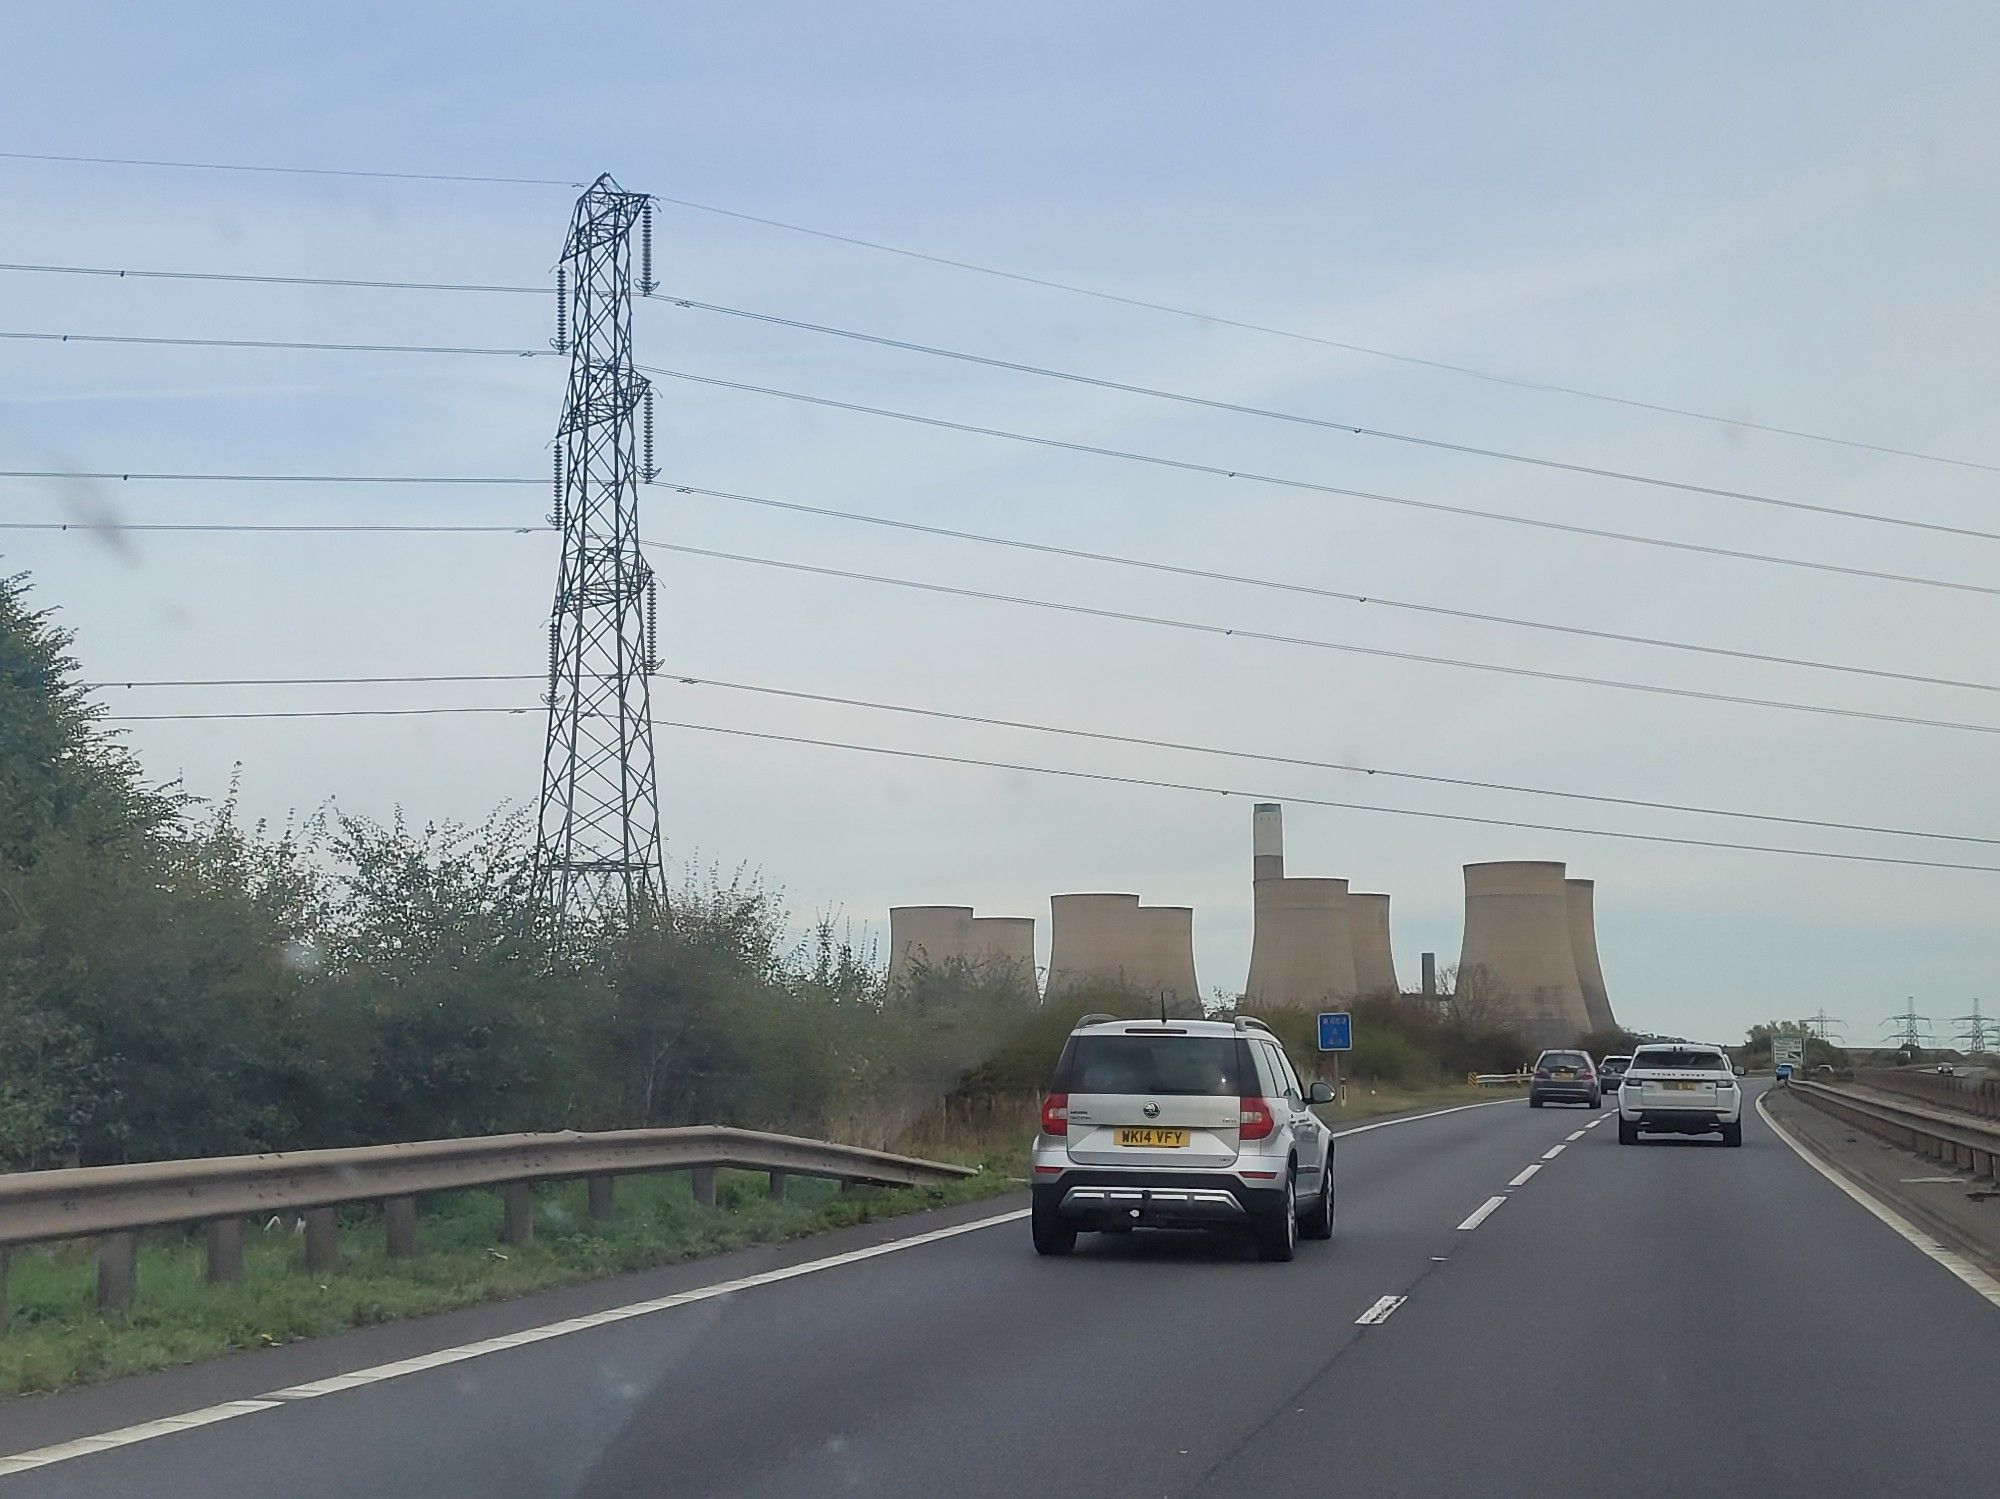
x=117, y=1270
x=399, y=1224
x=517, y=1212
x=777, y=1186
x=225, y=1249
x=6, y=1255
x=851, y=1184
x=322, y=1241
x=703, y=1179
x=603, y=1194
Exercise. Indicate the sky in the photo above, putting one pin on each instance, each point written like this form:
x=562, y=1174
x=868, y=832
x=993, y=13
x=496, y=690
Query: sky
x=1780, y=215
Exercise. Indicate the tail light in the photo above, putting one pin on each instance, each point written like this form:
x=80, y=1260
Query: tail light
x=1542, y=1073
x=1055, y=1114
x=1256, y=1118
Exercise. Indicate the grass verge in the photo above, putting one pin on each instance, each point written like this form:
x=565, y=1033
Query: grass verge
x=58, y=1338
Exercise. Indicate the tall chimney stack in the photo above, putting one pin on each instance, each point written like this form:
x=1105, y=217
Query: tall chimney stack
x=1267, y=841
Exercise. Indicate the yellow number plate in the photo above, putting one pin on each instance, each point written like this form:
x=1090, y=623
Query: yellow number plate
x=1682, y=1087
x=1157, y=1139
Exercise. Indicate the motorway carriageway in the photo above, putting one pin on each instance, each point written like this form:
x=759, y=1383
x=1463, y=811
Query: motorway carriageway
x=1513, y=1304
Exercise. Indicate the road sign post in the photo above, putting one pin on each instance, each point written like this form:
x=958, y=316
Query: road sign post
x=1336, y=1034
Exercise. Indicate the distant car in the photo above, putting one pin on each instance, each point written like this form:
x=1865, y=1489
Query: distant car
x=1945, y=1069
x=1609, y=1070
x=1180, y=1124
x=1680, y=1090
x=1565, y=1077
x=1784, y=1072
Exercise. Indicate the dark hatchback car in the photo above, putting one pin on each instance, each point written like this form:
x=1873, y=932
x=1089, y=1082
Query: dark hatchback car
x=1564, y=1077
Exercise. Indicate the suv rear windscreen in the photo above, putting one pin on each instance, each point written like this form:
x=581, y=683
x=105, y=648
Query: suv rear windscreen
x=1200, y=1065
x=1704, y=1061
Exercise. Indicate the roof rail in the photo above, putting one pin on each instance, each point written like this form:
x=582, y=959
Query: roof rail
x=1244, y=1022
x=1092, y=1019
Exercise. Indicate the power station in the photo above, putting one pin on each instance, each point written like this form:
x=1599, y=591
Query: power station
x=1529, y=957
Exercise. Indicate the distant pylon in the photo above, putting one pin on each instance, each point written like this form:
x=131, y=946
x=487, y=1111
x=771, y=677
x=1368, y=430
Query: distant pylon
x=1909, y=1028
x=597, y=854
x=1824, y=1026
x=1977, y=1033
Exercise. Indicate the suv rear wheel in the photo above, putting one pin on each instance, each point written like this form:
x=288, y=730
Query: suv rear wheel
x=1051, y=1234
x=1732, y=1134
x=1628, y=1132
x=1278, y=1233
x=1319, y=1217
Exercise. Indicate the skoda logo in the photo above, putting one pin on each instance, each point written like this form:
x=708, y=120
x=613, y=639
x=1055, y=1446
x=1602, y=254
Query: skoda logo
x=1152, y=1111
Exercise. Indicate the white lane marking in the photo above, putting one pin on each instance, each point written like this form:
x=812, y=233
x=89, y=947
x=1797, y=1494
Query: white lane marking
x=1362, y=1129
x=1553, y=1151
x=125, y=1436
x=1577, y=1136
x=1480, y=1215
x=1380, y=1311
x=41, y=1457
x=1522, y=1179
x=1924, y=1181
x=1597, y=1121
x=1956, y=1263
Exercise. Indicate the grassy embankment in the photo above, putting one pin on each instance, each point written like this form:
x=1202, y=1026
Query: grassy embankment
x=58, y=1338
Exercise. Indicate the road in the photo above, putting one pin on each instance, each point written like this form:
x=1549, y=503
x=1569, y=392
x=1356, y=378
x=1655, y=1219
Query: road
x=1669, y=1319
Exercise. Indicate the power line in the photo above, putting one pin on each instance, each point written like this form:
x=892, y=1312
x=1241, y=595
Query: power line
x=184, y=477
x=987, y=721
x=245, y=278
x=1183, y=465
x=1310, y=590
x=1104, y=777
x=1494, y=377
x=1327, y=424
x=989, y=362
x=240, y=166
x=1155, y=460
x=922, y=528
x=1314, y=643
x=1049, y=283
x=310, y=346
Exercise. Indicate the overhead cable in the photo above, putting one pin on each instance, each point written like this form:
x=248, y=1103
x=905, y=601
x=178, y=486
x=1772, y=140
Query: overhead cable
x=1375, y=497
x=1099, y=776
x=1066, y=731
x=1330, y=424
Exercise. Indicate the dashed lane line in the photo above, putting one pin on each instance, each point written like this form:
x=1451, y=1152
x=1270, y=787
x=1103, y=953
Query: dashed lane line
x=1481, y=1214
x=1522, y=1179
x=1575, y=1135
x=1380, y=1312
x=1553, y=1151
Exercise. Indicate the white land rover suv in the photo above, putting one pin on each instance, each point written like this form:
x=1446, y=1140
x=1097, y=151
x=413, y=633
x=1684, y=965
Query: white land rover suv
x=1680, y=1089
x=1181, y=1124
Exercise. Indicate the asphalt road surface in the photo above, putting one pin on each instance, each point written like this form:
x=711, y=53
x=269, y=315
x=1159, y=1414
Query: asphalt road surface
x=1672, y=1319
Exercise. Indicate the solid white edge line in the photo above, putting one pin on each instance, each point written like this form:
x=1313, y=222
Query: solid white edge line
x=40, y=1457
x=1457, y=1108
x=1480, y=1214
x=1553, y=1151
x=1522, y=1179
x=1982, y=1283
x=43, y=1456
x=1380, y=1311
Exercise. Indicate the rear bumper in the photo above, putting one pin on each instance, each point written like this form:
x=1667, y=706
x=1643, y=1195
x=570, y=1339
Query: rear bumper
x=1157, y=1199
x=1680, y=1121
x=1562, y=1092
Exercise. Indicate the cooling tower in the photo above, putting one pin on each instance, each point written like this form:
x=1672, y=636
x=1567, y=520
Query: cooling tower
x=1301, y=952
x=1517, y=941
x=1582, y=908
x=1164, y=960
x=1005, y=947
x=932, y=935
x=1092, y=938
x=1267, y=841
x=1374, y=963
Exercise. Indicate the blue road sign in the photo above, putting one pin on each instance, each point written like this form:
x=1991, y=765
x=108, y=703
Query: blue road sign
x=1336, y=1031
